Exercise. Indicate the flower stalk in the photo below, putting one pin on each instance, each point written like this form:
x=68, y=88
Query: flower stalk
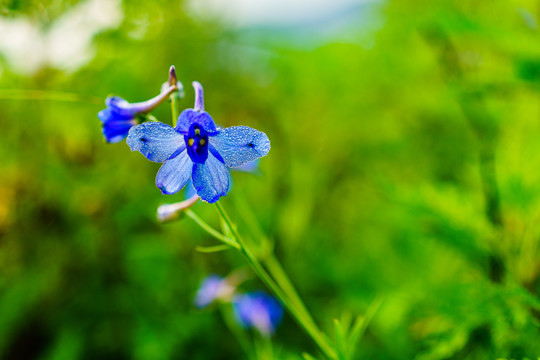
x=174, y=109
x=208, y=169
x=210, y=230
x=290, y=300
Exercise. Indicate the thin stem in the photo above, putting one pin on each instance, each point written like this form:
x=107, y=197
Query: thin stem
x=174, y=109
x=240, y=335
x=263, y=348
x=278, y=273
x=299, y=315
x=271, y=262
x=210, y=230
x=173, y=81
x=252, y=260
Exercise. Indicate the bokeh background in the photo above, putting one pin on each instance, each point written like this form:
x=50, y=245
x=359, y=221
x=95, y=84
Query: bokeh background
x=405, y=166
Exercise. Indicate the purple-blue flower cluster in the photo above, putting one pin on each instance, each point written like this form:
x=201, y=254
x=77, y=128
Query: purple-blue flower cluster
x=195, y=149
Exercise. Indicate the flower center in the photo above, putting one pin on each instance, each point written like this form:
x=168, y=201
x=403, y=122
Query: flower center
x=197, y=143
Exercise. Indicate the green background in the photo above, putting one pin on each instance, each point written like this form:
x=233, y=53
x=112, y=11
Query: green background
x=405, y=165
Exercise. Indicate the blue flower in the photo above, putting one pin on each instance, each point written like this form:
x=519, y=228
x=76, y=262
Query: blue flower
x=120, y=115
x=196, y=149
x=258, y=310
x=213, y=288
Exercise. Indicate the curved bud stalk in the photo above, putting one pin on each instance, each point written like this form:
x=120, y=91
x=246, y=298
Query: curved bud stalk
x=149, y=105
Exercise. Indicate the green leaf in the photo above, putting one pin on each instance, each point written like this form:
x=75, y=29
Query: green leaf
x=212, y=249
x=361, y=325
x=307, y=356
x=341, y=345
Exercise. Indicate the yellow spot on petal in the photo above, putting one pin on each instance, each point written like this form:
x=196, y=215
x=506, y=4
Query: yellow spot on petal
x=190, y=142
x=202, y=142
x=197, y=131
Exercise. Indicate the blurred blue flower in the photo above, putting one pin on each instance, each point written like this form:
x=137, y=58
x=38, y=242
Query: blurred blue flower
x=258, y=310
x=196, y=148
x=213, y=288
x=120, y=115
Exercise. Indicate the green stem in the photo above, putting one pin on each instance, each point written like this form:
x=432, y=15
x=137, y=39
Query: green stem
x=298, y=314
x=270, y=261
x=279, y=274
x=263, y=348
x=240, y=335
x=210, y=230
x=174, y=109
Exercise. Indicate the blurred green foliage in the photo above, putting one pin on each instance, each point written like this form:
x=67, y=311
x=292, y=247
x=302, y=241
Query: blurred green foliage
x=408, y=168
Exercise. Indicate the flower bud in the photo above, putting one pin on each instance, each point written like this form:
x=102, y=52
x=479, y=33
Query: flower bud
x=172, y=76
x=170, y=212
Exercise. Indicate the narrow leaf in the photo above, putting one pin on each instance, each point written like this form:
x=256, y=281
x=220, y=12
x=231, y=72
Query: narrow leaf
x=306, y=356
x=361, y=325
x=212, y=249
x=340, y=339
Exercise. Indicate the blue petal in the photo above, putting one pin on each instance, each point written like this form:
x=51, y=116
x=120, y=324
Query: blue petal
x=116, y=121
x=174, y=173
x=211, y=179
x=190, y=190
x=117, y=102
x=258, y=310
x=115, y=131
x=108, y=114
x=157, y=141
x=190, y=116
x=120, y=107
x=242, y=309
x=208, y=291
x=239, y=145
x=274, y=310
